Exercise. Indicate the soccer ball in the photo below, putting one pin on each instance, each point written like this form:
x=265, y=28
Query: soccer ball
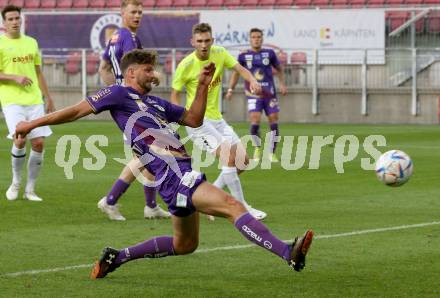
x=394, y=168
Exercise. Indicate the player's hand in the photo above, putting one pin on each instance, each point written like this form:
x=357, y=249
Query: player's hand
x=207, y=74
x=283, y=89
x=22, y=129
x=156, y=79
x=255, y=87
x=229, y=94
x=23, y=81
x=50, y=107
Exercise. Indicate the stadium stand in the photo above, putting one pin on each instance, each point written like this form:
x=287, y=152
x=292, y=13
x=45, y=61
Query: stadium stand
x=214, y=3
x=181, y=3
x=148, y=3
x=113, y=3
x=32, y=4
x=232, y=3
x=164, y=3
x=433, y=22
x=249, y=3
x=48, y=4
x=73, y=63
x=64, y=4
x=92, y=63
x=358, y=3
x=396, y=18
x=376, y=3
x=197, y=3
x=339, y=3
x=19, y=3
x=97, y=4
x=81, y=3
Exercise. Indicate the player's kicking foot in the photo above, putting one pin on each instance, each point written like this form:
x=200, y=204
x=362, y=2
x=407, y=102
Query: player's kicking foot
x=12, y=192
x=257, y=214
x=299, y=249
x=155, y=213
x=105, y=264
x=32, y=196
x=111, y=210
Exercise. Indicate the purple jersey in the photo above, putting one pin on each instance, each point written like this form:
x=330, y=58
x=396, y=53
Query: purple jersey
x=121, y=42
x=260, y=65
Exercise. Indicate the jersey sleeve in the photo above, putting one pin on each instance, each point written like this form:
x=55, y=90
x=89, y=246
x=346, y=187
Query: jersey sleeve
x=106, y=54
x=105, y=99
x=241, y=60
x=230, y=61
x=274, y=59
x=173, y=112
x=178, y=80
x=37, y=58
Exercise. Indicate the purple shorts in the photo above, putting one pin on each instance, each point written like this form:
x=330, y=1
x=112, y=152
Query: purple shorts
x=177, y=191
x=269, y=105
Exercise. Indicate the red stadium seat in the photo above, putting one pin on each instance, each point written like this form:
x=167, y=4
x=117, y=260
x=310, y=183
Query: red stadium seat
x=164, y=3
x=3, y=3
x=64, y=3
x=148, y=3
x=432, y=2
x=283, y=3
x=433, y=22
x=396, y=2
x=302, y=2
x=298, y=58
x=181, y=3
x=339, y=3
x=19, y=3
x=321, y=3
x=232, y=3
x=214, y=3
x=48, y=4
x=92, y=63
x=32, y=4
x=376, y=3
x=197, y=3
x=397, y=18
x=169, y=61
x=415, y=2
x=267, y=2
x=73, y=63
x=358, y=3
x=97, y=4
x=113, y=3
x=249, y=3
x=80, y=3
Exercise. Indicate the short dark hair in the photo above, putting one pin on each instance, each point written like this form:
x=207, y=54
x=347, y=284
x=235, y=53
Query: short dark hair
x=9, y=8
x=138, y=56
x=201, y=28
x=255, y=30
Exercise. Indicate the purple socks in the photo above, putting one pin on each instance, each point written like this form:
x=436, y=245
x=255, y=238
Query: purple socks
x=118, y=188
x=157, y=247
x=259, y=234
x=274, y=134
x=255, y=134
x=150, y=196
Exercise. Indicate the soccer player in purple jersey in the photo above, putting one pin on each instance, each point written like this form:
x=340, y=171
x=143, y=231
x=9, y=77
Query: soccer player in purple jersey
x=146, y=122
x=122, y=41
x=259, y=61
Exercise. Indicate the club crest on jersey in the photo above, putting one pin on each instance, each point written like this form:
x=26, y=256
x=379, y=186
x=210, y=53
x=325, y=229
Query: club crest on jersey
x=266, y=61
x=102, y=24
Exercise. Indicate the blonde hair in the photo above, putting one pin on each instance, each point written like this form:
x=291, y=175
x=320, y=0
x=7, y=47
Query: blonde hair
x=124, y=3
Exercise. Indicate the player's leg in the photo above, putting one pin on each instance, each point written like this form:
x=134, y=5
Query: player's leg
x=272, y=109
x=184, y=241
x=211, y=200
x=151, y=209
x=255, y=108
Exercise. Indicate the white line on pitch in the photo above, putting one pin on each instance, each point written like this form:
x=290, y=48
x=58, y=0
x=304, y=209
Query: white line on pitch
x=205, y=250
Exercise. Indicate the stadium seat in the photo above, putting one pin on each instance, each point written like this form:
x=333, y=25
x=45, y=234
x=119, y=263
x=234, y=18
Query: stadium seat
x=73, y=63
x=64, y=3
x=181, y=3
x=396, y=2
x=358, y=3
x=32, y=4
x=321, y=3
x=48, y=4
x=164, y=3
x=339, y=3
x=298, y=58
x=97, y=4
x=432, y=2
x=232, y=3
x=416, y=2
x=19, y=3
x=80, y=4
x=267, y=2
x=214, y=3
x=376, y=3
x=302, y=3
x=284, y=3
x=3, y=3
x=397, y=18
x=249, y=3
x=148, y=3
x=433, y=22
x=92, y=63
x=113, y=3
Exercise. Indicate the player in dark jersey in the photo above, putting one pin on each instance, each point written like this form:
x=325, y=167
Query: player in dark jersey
x=122, y=41
x=145, y=121
x=259, y=61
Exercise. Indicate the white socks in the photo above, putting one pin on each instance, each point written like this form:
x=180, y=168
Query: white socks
x=34, y=166
x=229, y=176
x=18, y=157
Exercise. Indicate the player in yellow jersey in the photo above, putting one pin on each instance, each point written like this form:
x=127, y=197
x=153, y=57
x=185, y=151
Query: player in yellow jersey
x=215, y=135
x=21, y=85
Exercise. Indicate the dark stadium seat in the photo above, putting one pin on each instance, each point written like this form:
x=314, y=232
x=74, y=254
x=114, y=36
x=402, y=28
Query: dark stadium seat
x=267, y=2
x=73, y=63
x=148, y=3
x=181, y=3
x=48, y=4
x=64, y=3
x=214, y=3
x=164, y=3
x=113, y=3
x=32, y=4
x=80, y=3
x=197, y=3
x=92, y=63
x=97, y=4
x=249, y=3
x=339, y=3
x=232, y=3
x=19, y=3
x=397, y=18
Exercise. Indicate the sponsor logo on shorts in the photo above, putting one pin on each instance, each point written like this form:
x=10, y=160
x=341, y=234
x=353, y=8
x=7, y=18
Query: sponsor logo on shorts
x=251, y=233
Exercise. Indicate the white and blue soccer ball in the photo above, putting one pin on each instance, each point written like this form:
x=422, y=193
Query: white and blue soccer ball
x=394, y=168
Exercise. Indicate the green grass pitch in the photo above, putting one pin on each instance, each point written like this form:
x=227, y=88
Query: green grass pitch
x=46, y=249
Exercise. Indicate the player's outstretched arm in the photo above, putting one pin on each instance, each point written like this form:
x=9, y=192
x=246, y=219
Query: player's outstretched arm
x=194, y=116
x=247, y=75
x=68, y=114
x=232, y=83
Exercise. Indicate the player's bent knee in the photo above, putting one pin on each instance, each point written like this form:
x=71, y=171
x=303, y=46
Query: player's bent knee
x=37, y=145
x=234, y=206
x=185, y=247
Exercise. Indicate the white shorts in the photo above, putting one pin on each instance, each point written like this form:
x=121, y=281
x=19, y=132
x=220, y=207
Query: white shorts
x=16, y=113
x=212, y=134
